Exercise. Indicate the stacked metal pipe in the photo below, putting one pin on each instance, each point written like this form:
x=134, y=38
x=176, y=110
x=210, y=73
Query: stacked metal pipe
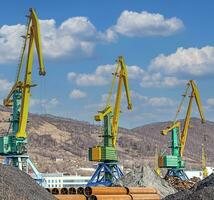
x=105, y=193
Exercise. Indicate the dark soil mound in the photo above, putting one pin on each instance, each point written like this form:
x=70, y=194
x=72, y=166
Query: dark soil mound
x=203, y=190
x=17, y=185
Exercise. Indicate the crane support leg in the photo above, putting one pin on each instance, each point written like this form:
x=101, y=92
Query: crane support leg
x=177, y=173
x=106, y=174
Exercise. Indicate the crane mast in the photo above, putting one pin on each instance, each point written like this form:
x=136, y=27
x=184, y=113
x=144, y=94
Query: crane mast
x=106, y=155
x=13, y=145
x=174, y=162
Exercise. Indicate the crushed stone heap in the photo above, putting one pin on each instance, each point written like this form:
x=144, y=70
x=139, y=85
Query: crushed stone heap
x=17, y=185
x=145, y=176
x=203, y=190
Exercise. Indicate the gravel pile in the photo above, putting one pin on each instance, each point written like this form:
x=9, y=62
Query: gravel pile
x=145, y=176
x=17, y=185
x=203, y=190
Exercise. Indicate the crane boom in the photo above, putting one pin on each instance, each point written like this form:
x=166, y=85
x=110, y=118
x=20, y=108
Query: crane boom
x=123, y=79
x=194, y=95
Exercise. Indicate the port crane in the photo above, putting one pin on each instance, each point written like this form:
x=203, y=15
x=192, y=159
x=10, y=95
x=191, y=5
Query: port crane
x=13, y=144
x=108, y=169
x=174, y=162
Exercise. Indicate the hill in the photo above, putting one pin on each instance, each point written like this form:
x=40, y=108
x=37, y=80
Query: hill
x=59, y=144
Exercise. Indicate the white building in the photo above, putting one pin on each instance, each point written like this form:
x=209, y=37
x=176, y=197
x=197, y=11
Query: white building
x=60, y=180
x=199, y=173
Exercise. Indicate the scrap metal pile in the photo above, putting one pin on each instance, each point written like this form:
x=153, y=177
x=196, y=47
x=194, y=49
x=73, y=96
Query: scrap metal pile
x=179, y=184
x=106, y=193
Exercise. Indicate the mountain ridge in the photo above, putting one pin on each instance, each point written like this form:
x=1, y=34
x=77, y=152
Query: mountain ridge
x=58, y=144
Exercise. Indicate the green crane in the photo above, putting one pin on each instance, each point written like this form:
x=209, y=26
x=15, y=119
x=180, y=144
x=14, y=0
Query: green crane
x=174, y=162
x=108, y=169
x=13, y=145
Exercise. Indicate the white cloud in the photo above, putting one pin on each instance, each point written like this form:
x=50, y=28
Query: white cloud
x=77, y=36
x=210, y=101
x=71, y=75
x=192, y=61
x=158, y=80
x=5, y=85
x=77, y=94
x=141, y=24
x=102, y=75
x=10, y=42
x=159, y=101
x=54, y=102
x=44, y=103
x=74, y=35
x=138, y=96
x=135, y=72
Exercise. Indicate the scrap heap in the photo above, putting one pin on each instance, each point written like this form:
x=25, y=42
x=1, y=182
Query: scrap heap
x=179, y=184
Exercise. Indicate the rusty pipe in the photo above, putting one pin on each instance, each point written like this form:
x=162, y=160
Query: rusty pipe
x=64, y=191
x=105, y=191
x=80, y=190
x=141, y=190
x=55, y=191
x=110, y=197
x=70, y=197
x=145, y=196
x=72, y=190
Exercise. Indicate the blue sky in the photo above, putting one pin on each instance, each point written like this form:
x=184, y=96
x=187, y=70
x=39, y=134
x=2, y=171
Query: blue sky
x=165, y=43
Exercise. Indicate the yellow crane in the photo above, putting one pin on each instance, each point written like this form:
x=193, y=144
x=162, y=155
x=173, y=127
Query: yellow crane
x=32, y=36
x=107, y=154
x=174, y=162
x=13, y=146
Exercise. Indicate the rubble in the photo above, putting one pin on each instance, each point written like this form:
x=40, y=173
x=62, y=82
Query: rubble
x=17, y=185
x=145, y=176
